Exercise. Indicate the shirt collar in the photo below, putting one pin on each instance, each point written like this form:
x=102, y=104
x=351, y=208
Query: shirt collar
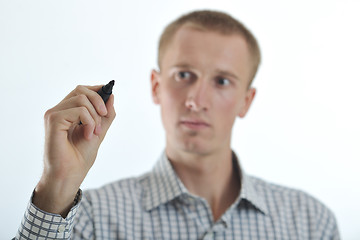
x=162, y=185
x=248, y=190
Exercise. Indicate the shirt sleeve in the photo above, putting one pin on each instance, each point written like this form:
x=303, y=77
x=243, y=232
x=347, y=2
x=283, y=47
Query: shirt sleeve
x=38, y=224
x=327, y=226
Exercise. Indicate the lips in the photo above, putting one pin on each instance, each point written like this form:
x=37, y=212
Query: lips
x=195, y=124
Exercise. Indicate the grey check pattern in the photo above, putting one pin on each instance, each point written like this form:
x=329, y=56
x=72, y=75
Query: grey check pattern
x=158, y=206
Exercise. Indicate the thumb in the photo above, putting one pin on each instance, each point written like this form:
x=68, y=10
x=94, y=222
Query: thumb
x=109, y=118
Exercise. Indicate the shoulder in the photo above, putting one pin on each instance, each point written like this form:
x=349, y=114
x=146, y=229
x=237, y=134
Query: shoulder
x=279, y=192
x=272, y=191
x=295, y=204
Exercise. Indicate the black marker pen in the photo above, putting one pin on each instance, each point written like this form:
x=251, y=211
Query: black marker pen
x=106, y=90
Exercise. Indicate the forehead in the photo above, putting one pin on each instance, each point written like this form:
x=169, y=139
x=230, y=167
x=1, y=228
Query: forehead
x=208, y=50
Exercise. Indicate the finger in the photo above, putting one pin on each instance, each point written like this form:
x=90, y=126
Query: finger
x=74, y=92
x=65, y=119
x=110, y=107
x=108, y=119
x=79, y=101
x=91, y=93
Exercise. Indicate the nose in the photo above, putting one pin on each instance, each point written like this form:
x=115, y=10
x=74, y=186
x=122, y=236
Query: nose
x=198, y=96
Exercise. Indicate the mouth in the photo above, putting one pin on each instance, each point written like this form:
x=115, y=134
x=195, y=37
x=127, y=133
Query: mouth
x=194, y=124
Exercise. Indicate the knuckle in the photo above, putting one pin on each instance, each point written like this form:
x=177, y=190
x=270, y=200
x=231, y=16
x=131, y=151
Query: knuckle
x=84, y=113
x=81, y=98
x=48, y=113
x=83, y=110
x=51, y=117
x=79, y=88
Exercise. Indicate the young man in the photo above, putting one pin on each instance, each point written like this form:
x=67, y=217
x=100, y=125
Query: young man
x=197, y=190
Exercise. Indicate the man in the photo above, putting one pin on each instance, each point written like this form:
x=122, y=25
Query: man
x=197, y=190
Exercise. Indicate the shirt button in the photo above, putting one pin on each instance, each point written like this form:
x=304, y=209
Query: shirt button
x=61, y=228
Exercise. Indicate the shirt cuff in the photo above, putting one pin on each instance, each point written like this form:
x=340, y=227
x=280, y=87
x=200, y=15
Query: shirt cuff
x=39, y=224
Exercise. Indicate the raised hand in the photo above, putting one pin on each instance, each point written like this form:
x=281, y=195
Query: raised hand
x=74, y=130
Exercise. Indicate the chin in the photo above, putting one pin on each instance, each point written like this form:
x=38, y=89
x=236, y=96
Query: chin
x=194, y=147
x=191, y=142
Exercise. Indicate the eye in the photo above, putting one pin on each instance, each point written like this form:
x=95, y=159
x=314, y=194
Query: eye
x=222, y=81
x=182, y=75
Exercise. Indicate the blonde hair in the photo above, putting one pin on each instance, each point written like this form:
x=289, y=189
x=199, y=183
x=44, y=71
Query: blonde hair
x=212, y=21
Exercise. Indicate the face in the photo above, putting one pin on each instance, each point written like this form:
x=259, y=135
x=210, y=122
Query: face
x=201, y=88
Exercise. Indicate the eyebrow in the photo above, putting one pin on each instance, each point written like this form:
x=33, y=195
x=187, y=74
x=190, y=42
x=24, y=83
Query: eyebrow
x=182, y=65
x=227, y=73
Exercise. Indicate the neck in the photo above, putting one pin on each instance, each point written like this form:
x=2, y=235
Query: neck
x=212, y=177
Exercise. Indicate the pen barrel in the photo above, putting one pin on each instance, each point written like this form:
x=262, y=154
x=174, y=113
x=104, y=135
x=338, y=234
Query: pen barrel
x=106, y=90
x=104, y=95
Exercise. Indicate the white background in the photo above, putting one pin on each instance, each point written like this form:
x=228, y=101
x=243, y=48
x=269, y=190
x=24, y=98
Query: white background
x=302, y=129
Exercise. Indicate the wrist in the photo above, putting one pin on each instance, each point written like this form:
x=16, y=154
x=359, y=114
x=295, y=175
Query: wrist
x=55, y=196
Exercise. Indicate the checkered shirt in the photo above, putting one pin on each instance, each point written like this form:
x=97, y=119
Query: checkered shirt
x=158, y=206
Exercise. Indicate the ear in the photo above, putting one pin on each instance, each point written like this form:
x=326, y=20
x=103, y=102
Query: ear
x=249, y=97
x=155, y=84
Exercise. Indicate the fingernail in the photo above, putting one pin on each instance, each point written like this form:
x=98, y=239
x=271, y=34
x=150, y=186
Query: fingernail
x=103, y=109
